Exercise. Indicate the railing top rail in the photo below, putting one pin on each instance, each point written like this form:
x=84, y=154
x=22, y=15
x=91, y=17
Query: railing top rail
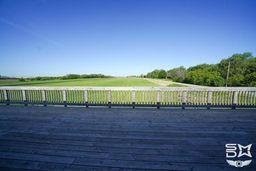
x=131, y=88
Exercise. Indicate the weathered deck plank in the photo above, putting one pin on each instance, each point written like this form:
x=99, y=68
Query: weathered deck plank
x=56, y=138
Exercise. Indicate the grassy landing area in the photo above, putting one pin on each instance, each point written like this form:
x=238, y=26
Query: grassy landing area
x=118, y=81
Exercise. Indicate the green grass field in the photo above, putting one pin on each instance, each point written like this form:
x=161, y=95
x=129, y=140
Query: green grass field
x=82, y=82
x=118, y=97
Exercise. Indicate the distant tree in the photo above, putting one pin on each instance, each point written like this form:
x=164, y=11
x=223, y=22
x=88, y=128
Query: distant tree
x=250, y=79
x=209, y=67
x=250, y=73
x=204, y=74
x=6, y=77
x=177, y=74
x=204, y=77
x=162, y=74
x=242, y=72
x=240, y=66
x=94, y=76
x=153, y=74
x=142, y=76
x=157, y=74
x=21, y=79
x=71, y=76
x=36, y=78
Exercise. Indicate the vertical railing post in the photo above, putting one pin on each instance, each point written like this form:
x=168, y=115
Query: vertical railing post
x=24, y=98
x=234, y=100
x=158, y=99
x=184, y=99
x=44, y=97
x=86, y=98
x=109, y=98
x=133, y=99
x=6, y=97
x=64, y=98
x=209, y=99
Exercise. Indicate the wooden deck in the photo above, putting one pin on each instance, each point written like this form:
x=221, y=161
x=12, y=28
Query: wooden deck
x=58, y=138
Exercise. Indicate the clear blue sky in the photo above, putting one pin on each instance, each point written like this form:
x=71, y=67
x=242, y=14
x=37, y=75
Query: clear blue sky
x=121, y=37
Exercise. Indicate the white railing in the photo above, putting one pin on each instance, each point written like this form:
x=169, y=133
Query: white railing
x=132, y=96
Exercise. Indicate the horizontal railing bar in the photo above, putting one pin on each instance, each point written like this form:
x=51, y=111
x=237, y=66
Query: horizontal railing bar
x=133, y=88
x=129, y=105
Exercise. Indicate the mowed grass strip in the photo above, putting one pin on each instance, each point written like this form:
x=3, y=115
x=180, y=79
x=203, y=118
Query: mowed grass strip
x=118, y=82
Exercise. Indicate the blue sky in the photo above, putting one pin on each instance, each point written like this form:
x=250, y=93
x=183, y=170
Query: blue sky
x=121, y=37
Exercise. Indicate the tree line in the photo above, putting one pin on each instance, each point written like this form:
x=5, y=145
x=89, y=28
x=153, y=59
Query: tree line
x=65, y=77
x=242, y=72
